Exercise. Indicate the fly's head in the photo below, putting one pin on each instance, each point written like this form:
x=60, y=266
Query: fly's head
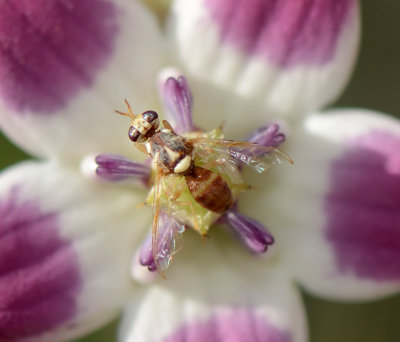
x=143, y=126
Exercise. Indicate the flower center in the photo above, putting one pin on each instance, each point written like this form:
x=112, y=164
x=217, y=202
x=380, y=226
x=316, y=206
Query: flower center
x=195, y=177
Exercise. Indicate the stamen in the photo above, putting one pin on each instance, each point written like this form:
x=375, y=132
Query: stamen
x=250, y=232
x=146, y=257
x=177, y=98
x=268, y=135
x=114, y=168
x=168, y=241
x=140, y=272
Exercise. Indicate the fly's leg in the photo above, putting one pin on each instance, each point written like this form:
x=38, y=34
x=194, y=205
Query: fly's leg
x=141, y=148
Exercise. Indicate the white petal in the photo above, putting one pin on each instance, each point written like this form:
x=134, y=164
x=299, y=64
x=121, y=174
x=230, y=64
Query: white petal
x=214, y=285
x=65, y=252
x=80, y=118
x=334, y=213
x=263, y=59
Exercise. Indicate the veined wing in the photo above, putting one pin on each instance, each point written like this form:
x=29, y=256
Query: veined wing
x=240, y=153
x=166, y=230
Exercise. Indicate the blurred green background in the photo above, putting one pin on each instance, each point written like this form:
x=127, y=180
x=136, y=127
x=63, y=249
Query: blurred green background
x=376, y=85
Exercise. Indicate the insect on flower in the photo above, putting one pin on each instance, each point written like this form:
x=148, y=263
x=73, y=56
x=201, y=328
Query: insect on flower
x=196, y=178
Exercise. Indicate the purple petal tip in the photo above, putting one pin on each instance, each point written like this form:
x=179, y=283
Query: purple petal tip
x=39, y=272
x=50, y=50
x=286, y=33
x=233, y=325
x=362, y=207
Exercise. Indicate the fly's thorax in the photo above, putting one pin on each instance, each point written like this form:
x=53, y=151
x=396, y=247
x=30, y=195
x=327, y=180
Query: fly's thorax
x=171, y=152
x=143, y=126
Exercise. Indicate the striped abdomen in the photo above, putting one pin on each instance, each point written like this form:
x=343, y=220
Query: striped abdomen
x=209, y=190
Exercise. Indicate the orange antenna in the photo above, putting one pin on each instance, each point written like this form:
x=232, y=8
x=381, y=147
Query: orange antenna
x=130, y=113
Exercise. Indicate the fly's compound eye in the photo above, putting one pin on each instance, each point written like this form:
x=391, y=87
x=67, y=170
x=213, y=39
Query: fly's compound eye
x=135, y=135
x=151, y=117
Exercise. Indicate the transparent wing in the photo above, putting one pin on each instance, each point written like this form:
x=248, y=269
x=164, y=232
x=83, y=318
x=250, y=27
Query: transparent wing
x=169, y=240
x=230, y=153
x=166, y=230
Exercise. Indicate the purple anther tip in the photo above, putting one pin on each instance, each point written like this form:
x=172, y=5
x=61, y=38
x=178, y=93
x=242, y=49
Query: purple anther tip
x=167, y=243
x=251, y=232
x=268, y=135
x=115, y=167
x=178, y=101
x=152, y=267
x=146, y=252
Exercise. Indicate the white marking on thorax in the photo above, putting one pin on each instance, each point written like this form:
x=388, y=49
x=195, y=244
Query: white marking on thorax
x=156, y=158
x=172, y=154
x=183, y=165
x=148, y=147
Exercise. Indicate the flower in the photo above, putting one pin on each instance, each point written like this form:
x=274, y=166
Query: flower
x=66, y=242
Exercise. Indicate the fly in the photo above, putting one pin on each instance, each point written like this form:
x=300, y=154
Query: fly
x=213, y=185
